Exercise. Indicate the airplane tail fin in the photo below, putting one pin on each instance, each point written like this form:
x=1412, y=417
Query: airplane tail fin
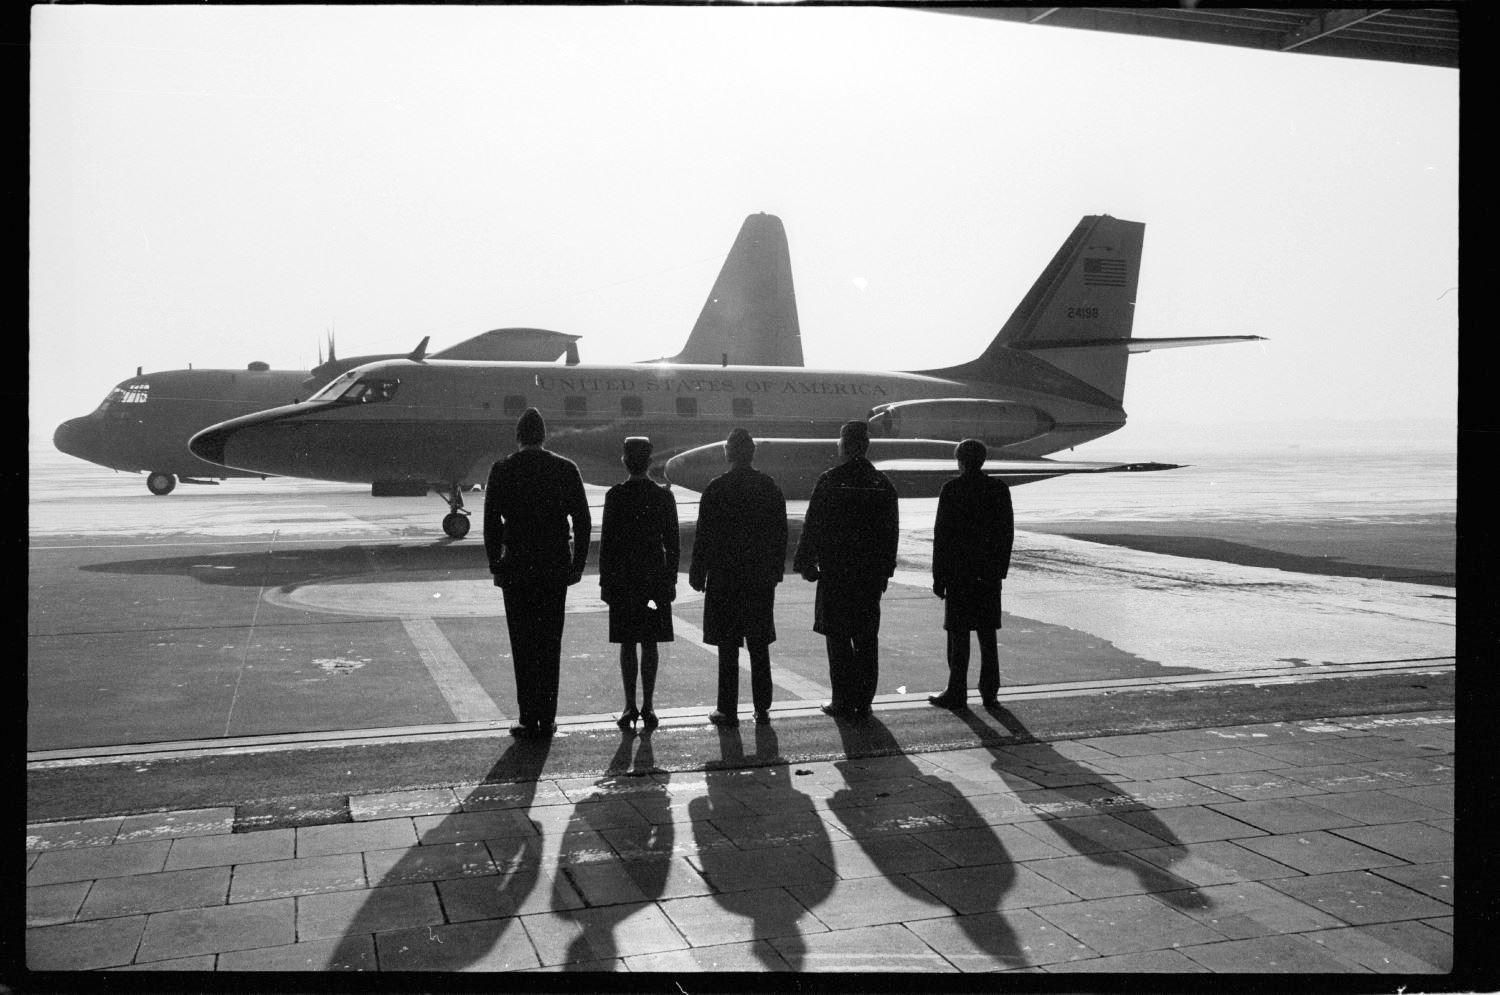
x=750, y=317
x=1071, y=332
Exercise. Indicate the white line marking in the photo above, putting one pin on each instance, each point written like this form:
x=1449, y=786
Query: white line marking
x=465, y=697
x=781, y=677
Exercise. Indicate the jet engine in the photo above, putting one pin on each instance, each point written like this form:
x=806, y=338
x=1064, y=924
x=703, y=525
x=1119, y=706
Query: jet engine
x=995, y=423
x=795, y=464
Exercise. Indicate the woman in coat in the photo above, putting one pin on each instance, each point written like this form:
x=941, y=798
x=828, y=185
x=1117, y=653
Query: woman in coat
x=638, y=555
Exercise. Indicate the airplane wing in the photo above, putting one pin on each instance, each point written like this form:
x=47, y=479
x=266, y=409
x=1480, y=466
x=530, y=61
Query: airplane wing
x=914, y=476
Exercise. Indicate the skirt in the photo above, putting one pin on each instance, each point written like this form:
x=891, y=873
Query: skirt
x=638, y=622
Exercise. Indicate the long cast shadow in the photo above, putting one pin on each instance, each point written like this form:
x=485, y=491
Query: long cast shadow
x=987, y=883
x=484, y=860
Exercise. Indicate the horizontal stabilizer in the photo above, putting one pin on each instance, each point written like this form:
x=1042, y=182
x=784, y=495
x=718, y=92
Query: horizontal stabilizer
x=1144, y=345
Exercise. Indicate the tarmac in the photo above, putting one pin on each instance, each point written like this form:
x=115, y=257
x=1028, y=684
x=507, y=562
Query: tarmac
x=1078, y=828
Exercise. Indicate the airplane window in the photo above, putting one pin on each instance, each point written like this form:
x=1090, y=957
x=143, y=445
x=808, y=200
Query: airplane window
x=369, y=391
x=743, y=407
x=687, y=407
x=576, y=406
x=514, y=404
x=334, y=387
x=632, y=406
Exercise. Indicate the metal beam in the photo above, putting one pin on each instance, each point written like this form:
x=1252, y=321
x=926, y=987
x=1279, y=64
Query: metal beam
x=1326, y=24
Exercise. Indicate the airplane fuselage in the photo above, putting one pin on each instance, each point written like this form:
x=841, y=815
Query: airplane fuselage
x=446, y=422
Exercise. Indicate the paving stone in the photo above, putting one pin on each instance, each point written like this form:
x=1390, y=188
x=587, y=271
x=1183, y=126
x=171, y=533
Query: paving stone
x=1106, y=875
x=1391, y=947
x=67, y=835
x=1189, y=824
x=1414, y=842
x=1247, y=908
x=1442, y=923
x=742, y=870
x=203, y=962
x=428, y=863
x=1360, y=897
x=1318, y=852
x=870, y=902
x=142, y=893
x=1147, y=962
x=1285, y=815
x=690, y=803
x=1336, y=778
x=186, y=932
x=84, y=863
x=1152, y=767
x=564, y=849
x=596, y=816
x=352, y=953
x=1077, y=751
x=1256, y=785
x=354, y=837
x=740, y=917
x=302, y=876
x=1091, y=834
x=778, y=830
x=1434, y=880
x=616, y=964
x=1159, y=795
x=1281, y=954
x=84, y=946
x=873, y=949
x=1374, y=807
x=666, y=839
x=514, y=894
x=1412, y=773
x=875, y=820
x=1135, y=745
x=50, y=904
x=170, y=825
x=759, y=956
x=1214, y=862
x=1434, y=796
x=879, y=856
x=1231, y=760
x=600, y=934
x=1309, y=754
x=490, y=945
x=1130, y=924
x=1381, y=748
x=1000, y=809
x=619, y=882
x=968, y=890
x=527, y=795
x=998, y=941
x=392, y=804
x=237, y=848
x=467, y=826
x=372, y=910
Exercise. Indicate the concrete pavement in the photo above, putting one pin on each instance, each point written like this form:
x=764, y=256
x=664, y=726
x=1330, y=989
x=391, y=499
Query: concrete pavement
x=1315, y=844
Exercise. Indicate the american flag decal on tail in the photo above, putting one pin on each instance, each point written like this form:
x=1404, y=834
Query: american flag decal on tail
x=1104, y=272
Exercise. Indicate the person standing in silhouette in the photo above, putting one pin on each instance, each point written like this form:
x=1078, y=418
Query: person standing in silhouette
x=531, y=498
x=739, y=556
x=638, y=555
x=971, y=546
x=848, y=547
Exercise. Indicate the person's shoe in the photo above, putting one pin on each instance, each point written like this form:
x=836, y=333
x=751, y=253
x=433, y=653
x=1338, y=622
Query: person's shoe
x=762, y=717
x=719, y=718
x=544, y=730
x=627, y=718
x=836, y=711
x=990, y=701
x=946, y=700
x=649, y=719
x=523, y=730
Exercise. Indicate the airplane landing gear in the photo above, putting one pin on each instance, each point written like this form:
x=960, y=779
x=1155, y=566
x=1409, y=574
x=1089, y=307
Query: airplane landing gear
x=456, y=522
x=159, y=483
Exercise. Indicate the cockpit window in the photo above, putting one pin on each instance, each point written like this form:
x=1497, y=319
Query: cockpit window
x=131, y=393
x=334, y=387
x=365, y=390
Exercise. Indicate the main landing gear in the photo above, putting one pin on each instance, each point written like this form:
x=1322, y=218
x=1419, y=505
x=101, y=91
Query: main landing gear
x=456, y=522
x=160, y=483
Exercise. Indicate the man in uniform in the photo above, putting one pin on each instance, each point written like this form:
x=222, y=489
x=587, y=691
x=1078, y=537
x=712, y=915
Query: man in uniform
x=739, y=556
x=531, y=497
x=848, y=547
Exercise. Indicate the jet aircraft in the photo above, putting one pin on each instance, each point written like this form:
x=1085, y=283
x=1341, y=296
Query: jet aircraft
x=145, y=422
x=1052, y=378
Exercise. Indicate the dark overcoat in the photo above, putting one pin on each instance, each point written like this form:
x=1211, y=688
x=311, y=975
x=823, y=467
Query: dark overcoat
x=849, y=537
x=971, y=545
x=739, y=556
x=638, y=557
x=530, y=499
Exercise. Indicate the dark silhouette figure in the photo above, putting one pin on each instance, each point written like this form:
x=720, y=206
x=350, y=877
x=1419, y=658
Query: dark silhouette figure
x=716, y=814
x=638, y=556
x=971, y=546
x=739, y=556
x=848, y=547
x=531, y=497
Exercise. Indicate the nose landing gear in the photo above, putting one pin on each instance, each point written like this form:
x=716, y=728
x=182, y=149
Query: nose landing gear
x=160, y=483
x=456, y=522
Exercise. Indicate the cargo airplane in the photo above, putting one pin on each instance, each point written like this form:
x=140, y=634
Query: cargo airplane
x=1053, y=378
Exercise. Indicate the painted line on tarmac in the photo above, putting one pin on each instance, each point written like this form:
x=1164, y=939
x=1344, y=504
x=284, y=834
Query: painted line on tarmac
x=468, y=701
x=780, y=676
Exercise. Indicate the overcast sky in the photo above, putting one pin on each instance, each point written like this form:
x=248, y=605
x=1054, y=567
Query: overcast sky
x=215, y=185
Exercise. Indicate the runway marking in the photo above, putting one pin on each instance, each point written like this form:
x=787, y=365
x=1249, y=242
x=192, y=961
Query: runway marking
x=468, y=701
x=245, y=653
x=780, y=676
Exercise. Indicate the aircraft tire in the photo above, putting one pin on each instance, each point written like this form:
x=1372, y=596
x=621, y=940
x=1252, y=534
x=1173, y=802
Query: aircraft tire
x=455, y=525
x=159, y=483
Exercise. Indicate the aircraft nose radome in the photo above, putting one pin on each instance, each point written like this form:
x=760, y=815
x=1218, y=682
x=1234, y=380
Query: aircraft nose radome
x=69, y=437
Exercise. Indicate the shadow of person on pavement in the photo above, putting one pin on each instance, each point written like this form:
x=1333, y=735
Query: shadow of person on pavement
x=754, y=832
x=483, y=861
x=1087, y=810
x=878, y=828
x=618, y=884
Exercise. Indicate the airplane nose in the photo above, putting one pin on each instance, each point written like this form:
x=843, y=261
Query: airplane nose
x=71, y=437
